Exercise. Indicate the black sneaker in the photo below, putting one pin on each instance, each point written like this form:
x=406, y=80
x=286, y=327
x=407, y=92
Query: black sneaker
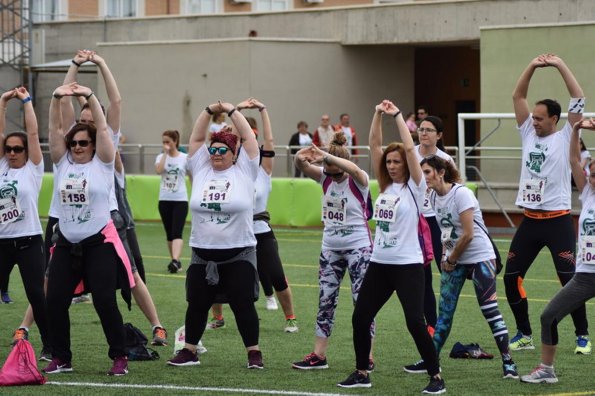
x=509, y=370
x=435, y=387
x=356, y=380
x=255, y=360
x=416, y=368
x=45, y=354
x=174, y=266
x=311, y=362
x=371, y=366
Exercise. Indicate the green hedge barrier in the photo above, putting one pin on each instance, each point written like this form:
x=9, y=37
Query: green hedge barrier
x=293, y=202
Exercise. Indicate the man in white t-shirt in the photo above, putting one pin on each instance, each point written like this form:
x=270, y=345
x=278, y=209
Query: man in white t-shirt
x=544, y=194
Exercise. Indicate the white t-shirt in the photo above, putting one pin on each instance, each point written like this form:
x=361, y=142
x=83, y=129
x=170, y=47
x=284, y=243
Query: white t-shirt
x=585, y=258
x=173, y=178
x=396, y=240
x=222, y=202
x=545, y=169
x=426, y=208
x=345, y=223
x=305, y=139
x=55, y=202
x=585, y=154
x=216, y=127
x=19, y=192
x=263, y=187
x=448, y=210
x=83, y=197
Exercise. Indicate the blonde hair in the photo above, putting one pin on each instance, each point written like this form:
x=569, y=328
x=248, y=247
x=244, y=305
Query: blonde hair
x=337, y=146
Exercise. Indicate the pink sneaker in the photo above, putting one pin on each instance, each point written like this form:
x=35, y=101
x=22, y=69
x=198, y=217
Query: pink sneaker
x=120, y=366
x=255, y=360
x=185, y=357
x=58, y=366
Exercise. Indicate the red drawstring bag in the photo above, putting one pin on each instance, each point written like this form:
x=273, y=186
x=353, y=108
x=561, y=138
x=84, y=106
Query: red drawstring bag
x=20, y=367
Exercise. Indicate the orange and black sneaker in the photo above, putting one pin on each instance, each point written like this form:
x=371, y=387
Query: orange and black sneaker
x=19, y=334
x=159, y=336
x=311, y=362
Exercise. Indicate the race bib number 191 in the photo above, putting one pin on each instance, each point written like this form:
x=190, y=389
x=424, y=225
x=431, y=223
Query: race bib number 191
x=217, y=191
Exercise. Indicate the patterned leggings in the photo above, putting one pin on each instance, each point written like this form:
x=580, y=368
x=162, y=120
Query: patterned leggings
x=483, y=275
x=333, y=265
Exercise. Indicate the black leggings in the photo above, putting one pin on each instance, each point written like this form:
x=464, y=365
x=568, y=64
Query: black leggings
x=27, y=253
x=49, y=232
x=173, y=216
x=136, y=254
x=380, y=281
x=429, y=296
x=558, y=235
x=270, y=268
x=236, y=279
x=99, y=271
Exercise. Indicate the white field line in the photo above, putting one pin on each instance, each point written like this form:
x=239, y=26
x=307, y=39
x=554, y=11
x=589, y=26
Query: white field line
x=190, y=388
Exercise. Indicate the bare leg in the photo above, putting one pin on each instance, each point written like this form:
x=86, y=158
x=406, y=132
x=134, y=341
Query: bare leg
x=548, y=353
x=320, y=346
x=144, y=301
x=286, y=300
x=176, y=248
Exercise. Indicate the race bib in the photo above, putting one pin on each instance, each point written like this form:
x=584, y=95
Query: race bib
x=217, y=191
x=532, y=190
x=587, y=246
x=334, y=210
x=171, y=182
x=74, y=191
x=9, y=210
x=426, y=205
x=386, y=207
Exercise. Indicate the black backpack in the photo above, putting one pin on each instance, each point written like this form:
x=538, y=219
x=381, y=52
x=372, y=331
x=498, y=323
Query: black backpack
x=136, y=344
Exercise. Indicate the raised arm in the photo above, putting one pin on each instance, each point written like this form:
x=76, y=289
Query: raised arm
x=519, y=95
x=375, y=138
x=114, y=107
x=267, y=131
x=249, y=142
x=199, y=131
x=6, y=96
x=304, y=162
x=33, y=146
x=317, y=156
x=55, y=126
x=578, y=172
x=67, y=109
x=574, y=89
x=413, y=164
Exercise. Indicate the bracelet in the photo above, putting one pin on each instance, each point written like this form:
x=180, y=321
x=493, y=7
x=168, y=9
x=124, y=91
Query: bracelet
x=26, y=100
x=208, y=110
x=231, y=112
x=397, y=113
x=75, y=63
x=88, y=96
x=57, y=96
x=262, y=108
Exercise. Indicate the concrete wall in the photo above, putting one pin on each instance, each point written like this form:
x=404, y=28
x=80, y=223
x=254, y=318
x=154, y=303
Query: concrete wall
x=168, y=84
x=505, y=52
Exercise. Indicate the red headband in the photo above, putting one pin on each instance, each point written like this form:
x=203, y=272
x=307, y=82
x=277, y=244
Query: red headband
x=227, y=138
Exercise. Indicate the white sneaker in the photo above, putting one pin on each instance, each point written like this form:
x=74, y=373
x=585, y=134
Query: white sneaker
x=271, y=303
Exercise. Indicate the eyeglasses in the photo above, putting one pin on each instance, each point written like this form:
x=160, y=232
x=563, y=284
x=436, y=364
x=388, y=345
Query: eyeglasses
x=421, y=112
x=426, y=130
x=82, y=143
x=14, y=149
x=337, y=175
x=218, y=150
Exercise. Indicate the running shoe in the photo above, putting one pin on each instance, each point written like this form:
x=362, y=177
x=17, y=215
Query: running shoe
x=185, y=357
x=435, y=387
x=356, y=380
x=83, y=298
x=6, y=298
x=521, y=341
x=255, y=360
x=371, y=366
x=291, y=326
x=215, y=323
x=120, y=366
x=174, y=266
x=159, y=336
x=416, y=368
x=45, y=354
x=58, y=366
x=311, y=362
x=271, y=303
x=431, y=330
x=19, y=334
x=540, y=375
x=583, y=345
x=509, y=370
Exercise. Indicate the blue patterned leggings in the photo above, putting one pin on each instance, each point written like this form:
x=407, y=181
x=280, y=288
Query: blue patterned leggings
x=333, y=265
x=483, y=275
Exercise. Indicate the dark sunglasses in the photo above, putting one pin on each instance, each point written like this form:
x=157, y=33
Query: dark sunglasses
x=218, y=150
x=337, y=175
x=14, y=149
x=82, y=143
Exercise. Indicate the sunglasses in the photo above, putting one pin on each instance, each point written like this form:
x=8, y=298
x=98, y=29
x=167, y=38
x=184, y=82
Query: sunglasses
x=337, y=175
x=218, y=150
x=14, y=149
x=82, y=143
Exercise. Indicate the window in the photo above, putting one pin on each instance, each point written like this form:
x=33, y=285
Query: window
x=48, y=10
x=272, y=5
x=200, y=6
x=121, y=8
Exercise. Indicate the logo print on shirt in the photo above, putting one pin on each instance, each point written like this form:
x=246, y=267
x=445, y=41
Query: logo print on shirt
x=535, y=162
